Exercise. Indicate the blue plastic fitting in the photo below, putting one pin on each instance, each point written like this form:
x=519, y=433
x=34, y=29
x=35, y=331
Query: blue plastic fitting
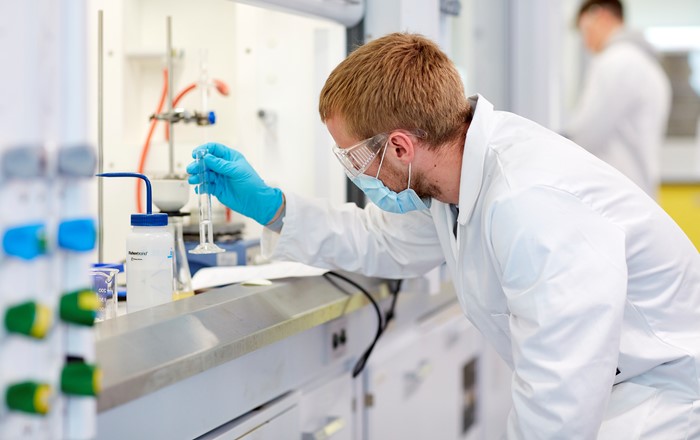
x=26, y=242
x=79, y=235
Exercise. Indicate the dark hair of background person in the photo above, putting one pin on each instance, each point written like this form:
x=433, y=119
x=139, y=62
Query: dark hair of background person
x=614, y=6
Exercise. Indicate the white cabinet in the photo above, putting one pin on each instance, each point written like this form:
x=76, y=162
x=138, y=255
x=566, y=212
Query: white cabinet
x=494, y=387
x=422, y=384
x=326, y=410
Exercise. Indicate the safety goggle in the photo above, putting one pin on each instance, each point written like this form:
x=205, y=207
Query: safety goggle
x=357, y=158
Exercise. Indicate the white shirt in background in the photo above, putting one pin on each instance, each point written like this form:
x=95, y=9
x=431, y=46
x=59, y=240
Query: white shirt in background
x=623, y=110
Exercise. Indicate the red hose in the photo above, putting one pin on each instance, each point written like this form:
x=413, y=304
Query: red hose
x=147, y=144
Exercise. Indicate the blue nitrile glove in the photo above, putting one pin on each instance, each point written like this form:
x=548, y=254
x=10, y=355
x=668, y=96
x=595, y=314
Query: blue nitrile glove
x=236, y=184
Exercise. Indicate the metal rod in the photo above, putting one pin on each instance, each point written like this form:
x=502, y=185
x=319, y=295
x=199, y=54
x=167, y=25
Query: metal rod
x=100, y=138
x=169, y=60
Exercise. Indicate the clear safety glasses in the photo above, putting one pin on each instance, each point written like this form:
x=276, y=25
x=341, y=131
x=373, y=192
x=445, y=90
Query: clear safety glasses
x=357, y=158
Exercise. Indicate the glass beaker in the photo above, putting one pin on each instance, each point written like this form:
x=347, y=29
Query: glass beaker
x=104, y=283
x=182, y=281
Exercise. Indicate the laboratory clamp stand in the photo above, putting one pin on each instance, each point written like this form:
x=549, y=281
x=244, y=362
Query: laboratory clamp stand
x=171, y=193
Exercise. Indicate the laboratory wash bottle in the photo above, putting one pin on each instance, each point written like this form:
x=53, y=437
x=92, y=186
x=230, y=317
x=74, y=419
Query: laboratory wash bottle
x=149, y=256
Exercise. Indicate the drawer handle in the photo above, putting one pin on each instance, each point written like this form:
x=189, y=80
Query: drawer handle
x=421, y=373
x=332, y=426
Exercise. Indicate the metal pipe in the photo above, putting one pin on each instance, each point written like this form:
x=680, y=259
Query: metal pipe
x=169, y=60
x=100, y=138
x=354, y=37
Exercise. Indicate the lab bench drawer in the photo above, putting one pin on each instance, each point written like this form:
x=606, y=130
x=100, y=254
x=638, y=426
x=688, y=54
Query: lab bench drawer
x=327, y=410
x=682, y=203
x=274, y=420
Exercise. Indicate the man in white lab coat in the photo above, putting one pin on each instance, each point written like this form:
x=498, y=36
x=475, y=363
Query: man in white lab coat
x=622, y=113
x=584, y=285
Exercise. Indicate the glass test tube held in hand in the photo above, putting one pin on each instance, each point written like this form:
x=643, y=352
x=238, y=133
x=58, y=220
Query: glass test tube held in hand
x=206, y=233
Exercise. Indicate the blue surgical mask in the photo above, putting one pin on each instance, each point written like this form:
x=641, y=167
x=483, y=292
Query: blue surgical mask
x=386, y=199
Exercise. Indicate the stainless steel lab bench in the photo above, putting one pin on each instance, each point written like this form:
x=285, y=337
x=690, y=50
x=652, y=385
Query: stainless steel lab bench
x=206, y=364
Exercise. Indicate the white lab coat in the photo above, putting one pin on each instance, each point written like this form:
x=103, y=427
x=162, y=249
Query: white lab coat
x=623, y=110
x=563, y=264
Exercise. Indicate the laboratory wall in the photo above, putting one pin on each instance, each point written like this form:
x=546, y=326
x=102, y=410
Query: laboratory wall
x=645, y=13
x=274, y=64
x=513, y=54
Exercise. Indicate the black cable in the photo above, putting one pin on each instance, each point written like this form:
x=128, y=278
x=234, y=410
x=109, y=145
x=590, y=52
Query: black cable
x=335, y=284
x=395, y=295
x=382, y=323
x=362, y=361
x=360, y=365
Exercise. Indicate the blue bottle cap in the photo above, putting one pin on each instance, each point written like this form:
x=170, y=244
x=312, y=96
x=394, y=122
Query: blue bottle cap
x=158, y=219
x=77, y=235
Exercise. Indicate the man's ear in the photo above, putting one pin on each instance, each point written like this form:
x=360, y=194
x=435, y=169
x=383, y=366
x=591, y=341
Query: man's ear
x=402, y=147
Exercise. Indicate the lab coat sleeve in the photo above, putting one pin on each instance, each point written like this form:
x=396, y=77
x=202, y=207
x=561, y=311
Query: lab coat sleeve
x=346, y=237
x=564, y=276
x=604, y=101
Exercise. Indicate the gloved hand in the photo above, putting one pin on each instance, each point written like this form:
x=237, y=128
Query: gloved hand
x=235, y=183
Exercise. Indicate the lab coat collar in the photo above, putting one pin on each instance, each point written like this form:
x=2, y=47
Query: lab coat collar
x=473, y=157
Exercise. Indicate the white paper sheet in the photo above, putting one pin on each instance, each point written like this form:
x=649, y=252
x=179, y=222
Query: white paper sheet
x=219, y=276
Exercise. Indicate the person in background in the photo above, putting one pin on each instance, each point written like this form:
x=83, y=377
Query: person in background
x=583, y=284
x=622, y=113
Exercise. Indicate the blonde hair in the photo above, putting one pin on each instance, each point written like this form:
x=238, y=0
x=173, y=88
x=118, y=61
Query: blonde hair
x=399, y=81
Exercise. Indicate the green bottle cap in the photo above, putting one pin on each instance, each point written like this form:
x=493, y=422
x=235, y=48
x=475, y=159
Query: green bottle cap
x=30, y=397
x=79, y=307
x=28, y=318
x=79, y=378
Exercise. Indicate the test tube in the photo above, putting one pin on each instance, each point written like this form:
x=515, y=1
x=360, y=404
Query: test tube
x=206, y=232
